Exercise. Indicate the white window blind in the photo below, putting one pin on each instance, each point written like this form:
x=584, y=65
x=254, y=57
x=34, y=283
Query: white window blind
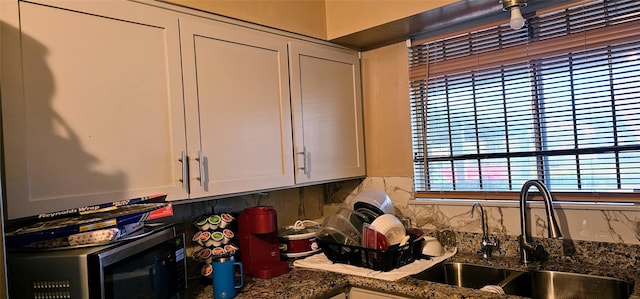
x=558, y=100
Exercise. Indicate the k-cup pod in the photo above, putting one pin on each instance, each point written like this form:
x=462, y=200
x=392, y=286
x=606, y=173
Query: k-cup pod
x=196, y=237
x=204, y=238
x=230, y=248
x=205, y=255
x=214, y=221
x=202, y=223
x=206, y=270
x=228, y=235
x=218, y=251
x=216, y=239
x=226, y=219
x=196, y=253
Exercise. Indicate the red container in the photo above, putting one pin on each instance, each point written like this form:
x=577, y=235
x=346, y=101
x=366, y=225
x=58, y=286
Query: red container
x=259, y=246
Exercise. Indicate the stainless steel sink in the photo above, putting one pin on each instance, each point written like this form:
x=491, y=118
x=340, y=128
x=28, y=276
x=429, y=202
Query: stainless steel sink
x=560, y=285
x=465, y=275
x=533, y=284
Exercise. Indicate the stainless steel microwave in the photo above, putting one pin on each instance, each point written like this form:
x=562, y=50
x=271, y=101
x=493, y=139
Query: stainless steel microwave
x=150, y=265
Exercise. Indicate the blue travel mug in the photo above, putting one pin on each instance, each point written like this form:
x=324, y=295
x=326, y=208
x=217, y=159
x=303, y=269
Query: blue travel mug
x=224, y=278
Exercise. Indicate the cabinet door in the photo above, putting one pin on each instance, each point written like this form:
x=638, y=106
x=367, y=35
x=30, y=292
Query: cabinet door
x=357, y=293
x=92, y=104
x=238, y=110
x=327, y=112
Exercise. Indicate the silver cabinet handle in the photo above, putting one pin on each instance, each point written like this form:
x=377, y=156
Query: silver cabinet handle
x=201, y=166
x=185, y=172
x=306, y=160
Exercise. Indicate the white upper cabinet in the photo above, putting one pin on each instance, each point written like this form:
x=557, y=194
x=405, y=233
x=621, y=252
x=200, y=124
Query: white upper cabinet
x=105, y=101
x=327, y=112
x=91, y=104
x=238, y=112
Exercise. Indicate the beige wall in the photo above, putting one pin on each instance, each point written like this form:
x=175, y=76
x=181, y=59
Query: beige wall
x=305, y=17
x=387, y=124
x=348, y=16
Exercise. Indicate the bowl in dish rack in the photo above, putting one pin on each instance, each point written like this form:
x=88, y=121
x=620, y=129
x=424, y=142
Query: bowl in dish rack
x=372, y=203
x=391, y=227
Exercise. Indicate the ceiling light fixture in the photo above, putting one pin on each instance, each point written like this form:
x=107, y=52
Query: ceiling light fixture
x=517, y=21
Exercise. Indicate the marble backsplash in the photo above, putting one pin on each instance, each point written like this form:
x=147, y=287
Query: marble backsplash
x=599, y=224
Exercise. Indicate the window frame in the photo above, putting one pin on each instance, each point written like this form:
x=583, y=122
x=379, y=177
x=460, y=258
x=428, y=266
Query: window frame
x=599, y=35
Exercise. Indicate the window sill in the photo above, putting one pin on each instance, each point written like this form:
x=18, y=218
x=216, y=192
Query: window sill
x=536, y=205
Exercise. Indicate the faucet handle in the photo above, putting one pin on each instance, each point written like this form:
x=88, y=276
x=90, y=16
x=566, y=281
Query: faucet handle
x=488, y=243
x=491, y=241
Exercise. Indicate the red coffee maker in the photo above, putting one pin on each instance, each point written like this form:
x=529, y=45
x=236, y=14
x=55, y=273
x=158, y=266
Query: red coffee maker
x=259, y=245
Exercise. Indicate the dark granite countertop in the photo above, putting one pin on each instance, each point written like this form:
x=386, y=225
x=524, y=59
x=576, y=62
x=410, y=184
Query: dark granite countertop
x=297, y=283
x=308, y=283
x=616, y=260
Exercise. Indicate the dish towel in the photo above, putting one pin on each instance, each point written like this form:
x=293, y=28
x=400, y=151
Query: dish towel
x=320, y=261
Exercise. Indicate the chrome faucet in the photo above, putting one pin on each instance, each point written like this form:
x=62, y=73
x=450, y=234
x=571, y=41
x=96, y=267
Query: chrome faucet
x=486, y=244
x=529, y=249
